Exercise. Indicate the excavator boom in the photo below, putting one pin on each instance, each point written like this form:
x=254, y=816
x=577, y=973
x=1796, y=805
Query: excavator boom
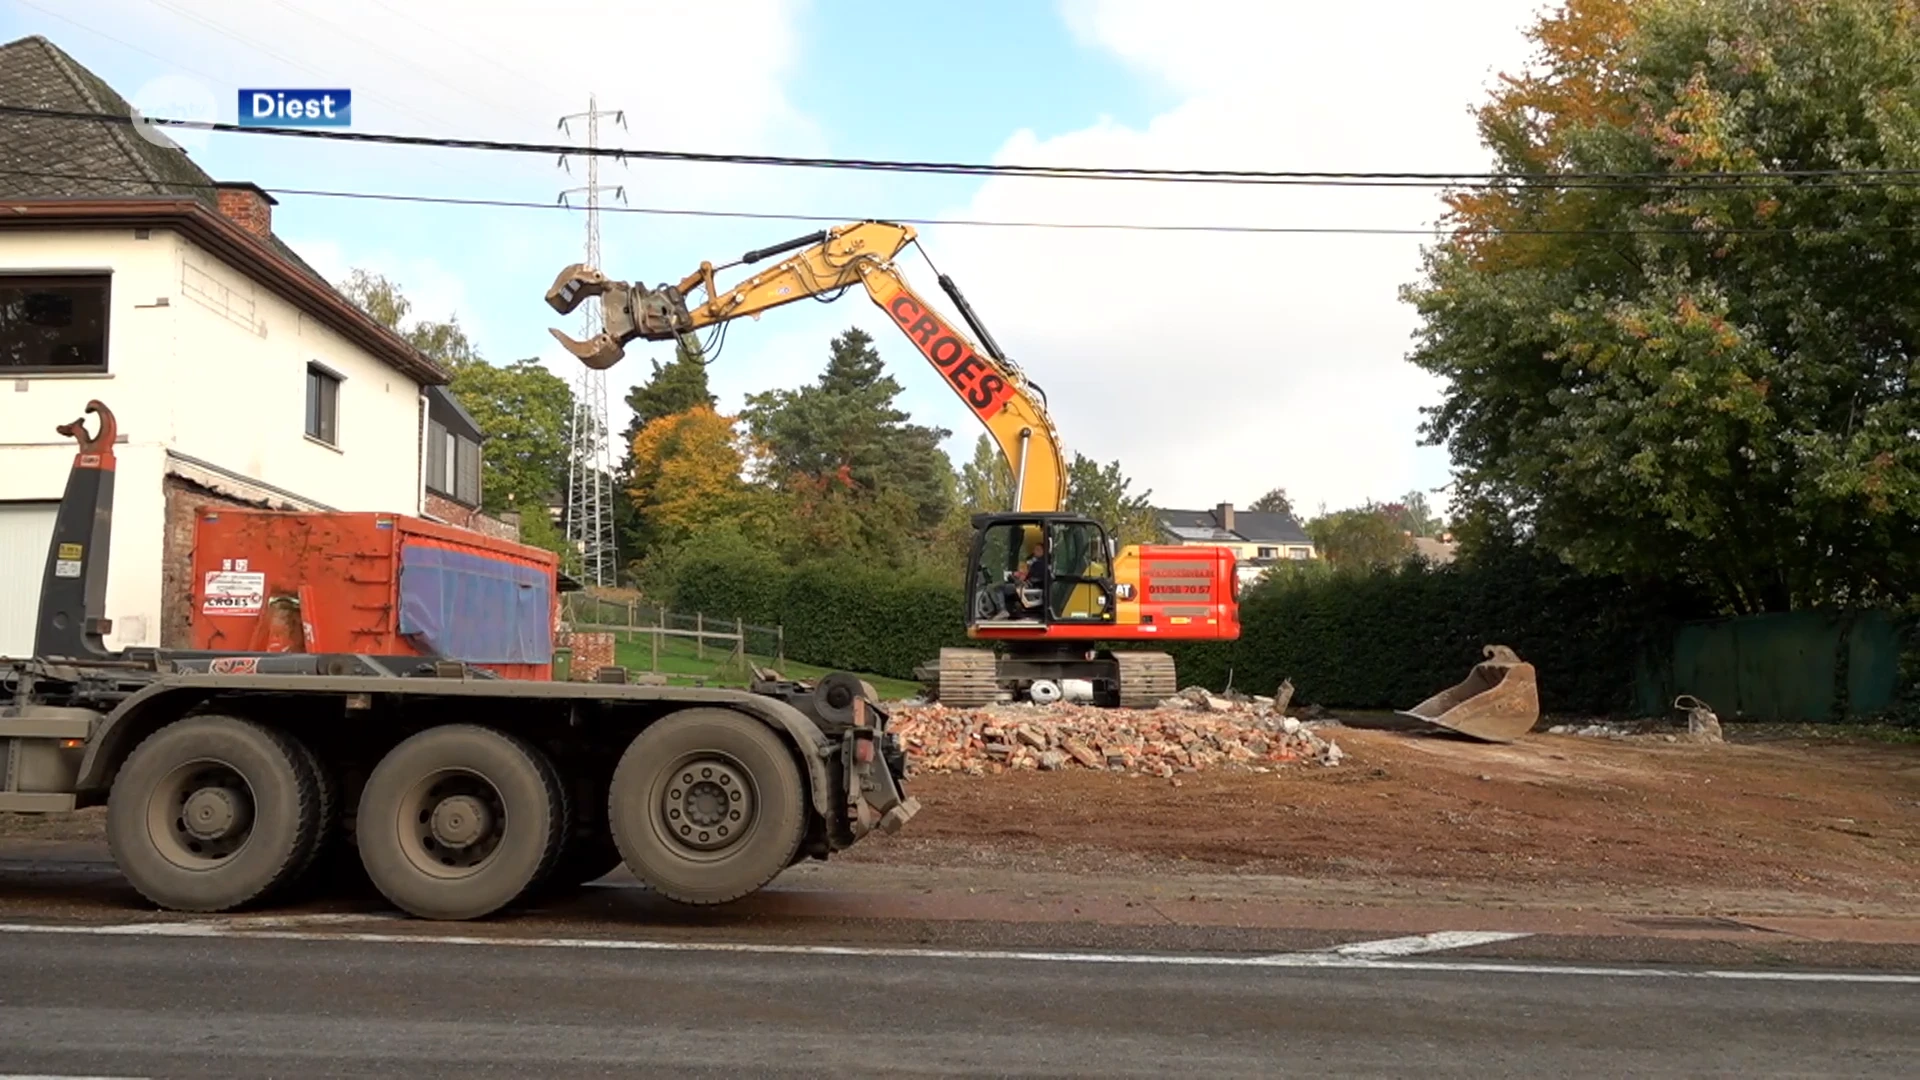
x=827, y=263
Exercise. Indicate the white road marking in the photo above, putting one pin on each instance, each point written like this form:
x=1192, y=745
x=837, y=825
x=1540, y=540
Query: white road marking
x=1421, y=943
x=1321, y=960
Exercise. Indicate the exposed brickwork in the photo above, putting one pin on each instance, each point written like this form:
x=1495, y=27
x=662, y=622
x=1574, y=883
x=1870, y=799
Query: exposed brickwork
x=591, y=652
x=184, y=500
x=444, y=509
x=247, y=206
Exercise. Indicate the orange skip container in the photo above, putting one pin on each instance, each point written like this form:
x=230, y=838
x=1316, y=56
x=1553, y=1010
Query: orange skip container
x=381, y=584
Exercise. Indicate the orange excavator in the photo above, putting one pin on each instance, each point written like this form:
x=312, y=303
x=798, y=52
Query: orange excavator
x=1046, y=588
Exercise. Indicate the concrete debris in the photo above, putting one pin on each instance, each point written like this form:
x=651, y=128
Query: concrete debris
x=1192, y=731
x=1599, y=731
x=1283, y=697
x=1702, y=725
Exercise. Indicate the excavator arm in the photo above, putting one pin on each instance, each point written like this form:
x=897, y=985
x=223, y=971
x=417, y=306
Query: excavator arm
x=826, y=264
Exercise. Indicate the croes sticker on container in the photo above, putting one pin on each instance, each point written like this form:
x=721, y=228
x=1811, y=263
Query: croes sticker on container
x=232, y=593
x=66, y=561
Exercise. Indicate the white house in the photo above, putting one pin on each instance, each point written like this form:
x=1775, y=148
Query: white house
x=237, y=374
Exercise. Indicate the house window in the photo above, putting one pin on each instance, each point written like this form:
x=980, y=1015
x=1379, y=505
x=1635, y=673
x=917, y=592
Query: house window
x=1299, y=552
x=323, y=405
x=466, y=471
x=53, y=323
x=1269, y=553
x=453, y=465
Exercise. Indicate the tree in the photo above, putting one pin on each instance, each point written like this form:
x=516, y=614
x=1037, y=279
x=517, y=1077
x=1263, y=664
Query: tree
x=841, y=447
x=1413, y=515
x=986, y=483
x=1273, y=502
x=677, y=386
x=1101, y=494
x=1363, y=537
x=686, y=472
x=522, y=408
x=1691, y=379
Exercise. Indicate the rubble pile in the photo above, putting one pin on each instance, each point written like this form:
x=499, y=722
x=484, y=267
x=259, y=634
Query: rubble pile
x=1193, y=731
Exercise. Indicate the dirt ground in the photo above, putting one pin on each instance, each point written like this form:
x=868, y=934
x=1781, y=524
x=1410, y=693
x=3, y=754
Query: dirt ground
x=1813, y=817
x=1580, y=819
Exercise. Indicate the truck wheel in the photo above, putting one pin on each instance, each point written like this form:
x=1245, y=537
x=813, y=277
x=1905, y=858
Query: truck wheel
x=457, y=821
x=306, y=881
x=707, y=806
x=211, y=813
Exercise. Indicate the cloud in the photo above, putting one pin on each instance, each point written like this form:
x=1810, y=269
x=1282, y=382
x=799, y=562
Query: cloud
x=1216, y=366
x=702, y=77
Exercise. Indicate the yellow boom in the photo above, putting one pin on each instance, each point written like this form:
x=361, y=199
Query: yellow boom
x=826, y=263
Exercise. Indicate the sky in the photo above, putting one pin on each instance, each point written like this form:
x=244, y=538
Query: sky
x=1213, y=366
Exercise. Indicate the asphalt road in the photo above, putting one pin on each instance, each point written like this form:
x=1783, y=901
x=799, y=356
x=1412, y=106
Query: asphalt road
x=311, y=1004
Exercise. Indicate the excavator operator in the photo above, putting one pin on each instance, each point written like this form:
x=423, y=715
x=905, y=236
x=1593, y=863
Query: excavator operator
x=1006, y=595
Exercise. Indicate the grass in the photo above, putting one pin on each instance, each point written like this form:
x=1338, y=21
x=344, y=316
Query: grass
x=681, y=662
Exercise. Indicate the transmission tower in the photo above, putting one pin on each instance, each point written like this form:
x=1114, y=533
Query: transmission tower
x=590, y=460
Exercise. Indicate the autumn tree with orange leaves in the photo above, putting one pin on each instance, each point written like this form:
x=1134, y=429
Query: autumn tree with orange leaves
x=1679, y=331
x=686, y=473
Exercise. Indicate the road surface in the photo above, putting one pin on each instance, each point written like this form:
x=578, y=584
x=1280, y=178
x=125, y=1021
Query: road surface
x=345, y=995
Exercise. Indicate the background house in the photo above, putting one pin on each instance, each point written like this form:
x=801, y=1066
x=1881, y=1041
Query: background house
x=239, y=376
x=1259, y=540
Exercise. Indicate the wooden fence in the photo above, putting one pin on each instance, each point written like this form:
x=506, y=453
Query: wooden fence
x=725, y=641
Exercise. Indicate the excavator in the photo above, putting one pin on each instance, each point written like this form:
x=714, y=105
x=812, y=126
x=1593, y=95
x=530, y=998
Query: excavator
x=1047, y=588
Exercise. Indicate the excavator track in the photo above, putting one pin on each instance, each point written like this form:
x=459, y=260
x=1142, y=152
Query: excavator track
x=967, y=678
x=1146, y=679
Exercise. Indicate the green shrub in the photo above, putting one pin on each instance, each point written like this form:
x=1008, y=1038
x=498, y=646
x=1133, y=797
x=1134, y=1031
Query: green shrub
x=836, y=613
x=1390, y=638
x=1382, y=639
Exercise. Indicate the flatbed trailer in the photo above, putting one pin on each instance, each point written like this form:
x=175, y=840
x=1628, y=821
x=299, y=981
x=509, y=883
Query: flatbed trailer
x=235, y=780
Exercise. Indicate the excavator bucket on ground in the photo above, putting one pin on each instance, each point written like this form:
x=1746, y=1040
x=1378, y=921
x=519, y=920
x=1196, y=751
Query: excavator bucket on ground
x=1498, y=701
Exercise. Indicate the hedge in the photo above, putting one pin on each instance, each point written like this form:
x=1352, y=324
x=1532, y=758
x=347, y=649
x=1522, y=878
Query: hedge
x=1386, y=639
x=835, y=614
x=1390, y=639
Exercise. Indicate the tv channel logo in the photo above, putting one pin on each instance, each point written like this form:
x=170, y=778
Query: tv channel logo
x=296, y=108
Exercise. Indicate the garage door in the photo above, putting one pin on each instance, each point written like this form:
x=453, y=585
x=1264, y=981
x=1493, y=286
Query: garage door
x=25, y=531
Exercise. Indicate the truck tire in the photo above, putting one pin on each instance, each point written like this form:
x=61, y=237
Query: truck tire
x=707, y=806
x=590, y=857
x=307, y=880
x=588, y=853
x=457, y=821
x=212, y=813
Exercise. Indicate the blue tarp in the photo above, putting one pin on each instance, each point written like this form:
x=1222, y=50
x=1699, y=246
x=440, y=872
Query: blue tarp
x=474, y=607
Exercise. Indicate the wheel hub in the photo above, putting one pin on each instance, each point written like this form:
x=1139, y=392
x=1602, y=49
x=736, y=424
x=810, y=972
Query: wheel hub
x=459, y=821
x=707, y=805
x=214, y=813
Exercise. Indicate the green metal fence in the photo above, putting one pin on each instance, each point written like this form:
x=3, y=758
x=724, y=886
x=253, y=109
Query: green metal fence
x=1792, y=666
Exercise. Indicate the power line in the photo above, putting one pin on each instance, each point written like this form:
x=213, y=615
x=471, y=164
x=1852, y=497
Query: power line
x=985, y=223
x=1735, y=180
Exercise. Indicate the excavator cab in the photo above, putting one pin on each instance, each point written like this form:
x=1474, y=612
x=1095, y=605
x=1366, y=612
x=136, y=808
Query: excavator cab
x=1031, y=571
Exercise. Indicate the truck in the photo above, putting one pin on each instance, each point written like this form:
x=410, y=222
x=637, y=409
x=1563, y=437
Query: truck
x=229, y=778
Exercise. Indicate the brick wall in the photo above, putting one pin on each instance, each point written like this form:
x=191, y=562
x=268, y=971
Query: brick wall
x=444, y=509
x=184, y=500
x=591, y=652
